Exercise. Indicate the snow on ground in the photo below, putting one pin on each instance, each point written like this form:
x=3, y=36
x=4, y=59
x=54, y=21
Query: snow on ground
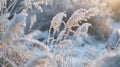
x=115, y=25
x=89, y=52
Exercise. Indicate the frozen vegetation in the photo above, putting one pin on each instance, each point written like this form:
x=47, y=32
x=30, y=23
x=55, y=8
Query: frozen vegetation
x=59, y=33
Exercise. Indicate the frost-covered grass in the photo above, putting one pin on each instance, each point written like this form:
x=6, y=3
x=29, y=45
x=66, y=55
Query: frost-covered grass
x=82, y=35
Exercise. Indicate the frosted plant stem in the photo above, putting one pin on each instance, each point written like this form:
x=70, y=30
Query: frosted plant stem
x=13, y=6
x=117, y=44
x=10, y=6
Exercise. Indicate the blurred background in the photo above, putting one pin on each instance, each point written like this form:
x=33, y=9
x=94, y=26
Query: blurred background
x=102, y=24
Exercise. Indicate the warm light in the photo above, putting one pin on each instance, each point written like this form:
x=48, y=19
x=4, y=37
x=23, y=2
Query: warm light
x=114, y=4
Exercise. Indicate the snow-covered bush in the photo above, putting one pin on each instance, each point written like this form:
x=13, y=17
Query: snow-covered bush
x=16, y=47
x=13, y=44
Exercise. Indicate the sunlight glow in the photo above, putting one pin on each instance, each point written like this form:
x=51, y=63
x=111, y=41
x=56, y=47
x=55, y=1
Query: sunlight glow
x=114, y=4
